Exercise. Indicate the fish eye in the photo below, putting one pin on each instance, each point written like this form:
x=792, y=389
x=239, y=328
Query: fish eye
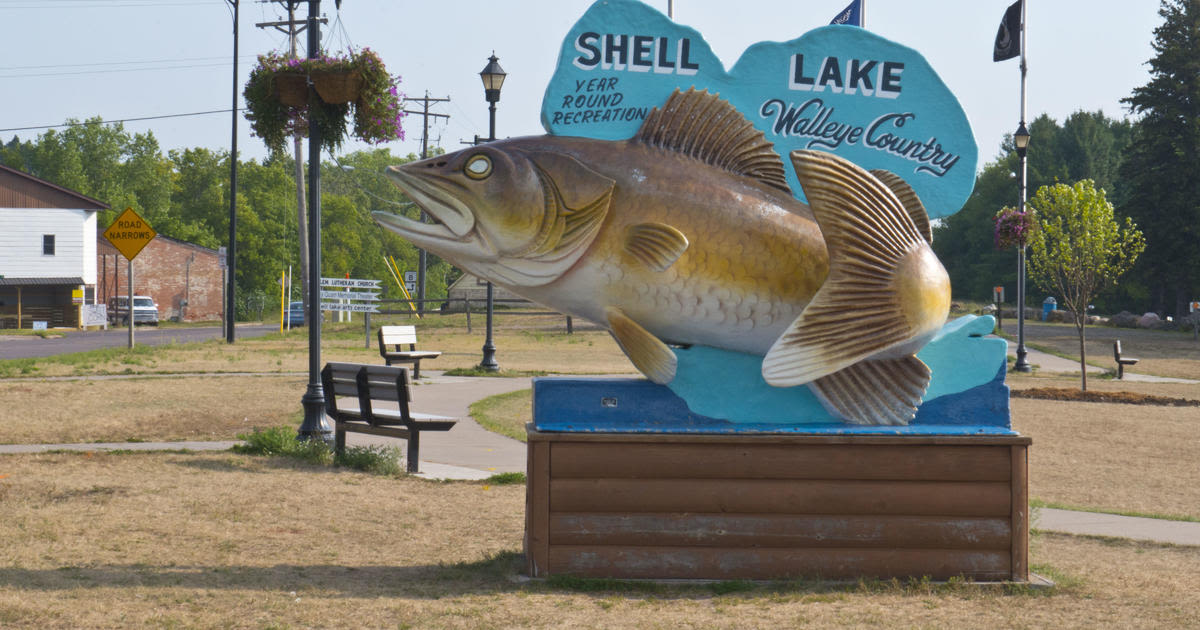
x=478, y=167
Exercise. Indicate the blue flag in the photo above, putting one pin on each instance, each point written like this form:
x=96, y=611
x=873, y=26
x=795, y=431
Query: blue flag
x=851, y=15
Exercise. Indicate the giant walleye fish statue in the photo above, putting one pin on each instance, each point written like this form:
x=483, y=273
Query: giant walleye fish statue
x=687, y=233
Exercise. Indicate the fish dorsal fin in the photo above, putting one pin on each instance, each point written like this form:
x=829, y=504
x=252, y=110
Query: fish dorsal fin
x=656, y=245
x=648, y=353
x=885, y=287
x=908, y=197
x=875, y=392
x=708, y=128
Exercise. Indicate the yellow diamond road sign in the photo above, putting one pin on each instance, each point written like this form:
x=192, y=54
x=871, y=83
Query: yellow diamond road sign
x=129, y=233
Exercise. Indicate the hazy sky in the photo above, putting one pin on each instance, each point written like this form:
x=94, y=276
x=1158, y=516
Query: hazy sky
x=123, y=59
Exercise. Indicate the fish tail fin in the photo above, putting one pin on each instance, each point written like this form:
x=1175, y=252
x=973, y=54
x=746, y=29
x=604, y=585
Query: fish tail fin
x=887, y=391
x=886, y=293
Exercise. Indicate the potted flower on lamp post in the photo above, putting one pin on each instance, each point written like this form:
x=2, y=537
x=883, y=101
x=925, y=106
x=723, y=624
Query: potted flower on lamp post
x=278, y=106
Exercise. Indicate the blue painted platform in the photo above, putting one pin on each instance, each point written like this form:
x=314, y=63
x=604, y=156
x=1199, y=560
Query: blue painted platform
x=723, y=394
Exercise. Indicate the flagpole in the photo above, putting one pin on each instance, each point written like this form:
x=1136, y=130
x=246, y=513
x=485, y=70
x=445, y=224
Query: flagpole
x=1022, y=365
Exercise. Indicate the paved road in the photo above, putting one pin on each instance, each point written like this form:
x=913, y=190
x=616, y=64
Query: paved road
x=30, y=346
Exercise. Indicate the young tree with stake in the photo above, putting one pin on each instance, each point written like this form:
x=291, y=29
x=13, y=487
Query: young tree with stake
x=1078, y=248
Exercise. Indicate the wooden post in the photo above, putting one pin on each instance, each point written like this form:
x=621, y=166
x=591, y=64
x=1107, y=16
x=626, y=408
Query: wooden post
x=1020, y=513
x=537, y=510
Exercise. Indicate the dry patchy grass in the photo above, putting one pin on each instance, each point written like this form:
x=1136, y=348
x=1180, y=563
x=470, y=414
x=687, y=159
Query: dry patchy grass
x=145, y=409
x=221, y=540
x=1113, y=457
x=523, y=342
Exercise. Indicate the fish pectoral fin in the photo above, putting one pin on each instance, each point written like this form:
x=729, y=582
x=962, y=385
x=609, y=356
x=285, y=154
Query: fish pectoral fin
x=886, y=391
x=655, y=245
x=832, y=334
x=908, y=197
x=885, y=286
x=649, y=354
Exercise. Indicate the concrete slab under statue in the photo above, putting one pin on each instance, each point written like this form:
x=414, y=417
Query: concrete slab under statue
x=758, y=242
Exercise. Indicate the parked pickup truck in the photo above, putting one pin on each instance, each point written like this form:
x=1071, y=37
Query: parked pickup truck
x=145, y=311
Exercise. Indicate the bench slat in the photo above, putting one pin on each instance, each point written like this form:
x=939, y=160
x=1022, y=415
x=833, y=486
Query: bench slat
x=398, y=334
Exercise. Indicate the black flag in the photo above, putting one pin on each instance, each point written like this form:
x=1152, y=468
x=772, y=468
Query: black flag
x=1008, y=38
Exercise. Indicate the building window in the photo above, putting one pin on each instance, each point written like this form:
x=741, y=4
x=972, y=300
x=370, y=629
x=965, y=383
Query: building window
x=47, y=244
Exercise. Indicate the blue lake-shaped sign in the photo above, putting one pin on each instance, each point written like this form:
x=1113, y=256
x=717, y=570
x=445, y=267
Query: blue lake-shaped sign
x=836, y=88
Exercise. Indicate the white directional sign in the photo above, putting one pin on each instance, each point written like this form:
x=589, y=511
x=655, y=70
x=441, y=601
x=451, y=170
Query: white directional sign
x=350, y=283
x=349, y=295
x=410, y=276
x=349, y=301
x=349, y=306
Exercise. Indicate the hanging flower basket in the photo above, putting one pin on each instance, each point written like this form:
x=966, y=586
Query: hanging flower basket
x=277, y=101
x=292, y=89
x=1013, y=228
x=336, y=87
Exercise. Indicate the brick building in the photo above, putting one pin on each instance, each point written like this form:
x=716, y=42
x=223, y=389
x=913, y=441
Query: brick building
x=185, y=280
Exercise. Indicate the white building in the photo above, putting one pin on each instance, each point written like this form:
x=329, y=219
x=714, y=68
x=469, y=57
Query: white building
x=47, y=251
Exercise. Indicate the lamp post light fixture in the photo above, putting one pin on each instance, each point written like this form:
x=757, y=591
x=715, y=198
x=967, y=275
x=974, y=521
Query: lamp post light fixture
x=493, y=77
x=1021, y=140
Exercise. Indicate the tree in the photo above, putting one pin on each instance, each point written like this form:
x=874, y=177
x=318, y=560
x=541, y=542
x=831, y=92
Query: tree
x=1078, y=248
x=1163, y=193
x=1088, y=145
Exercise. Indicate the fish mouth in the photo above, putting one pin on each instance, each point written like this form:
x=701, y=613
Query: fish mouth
x=452, y=219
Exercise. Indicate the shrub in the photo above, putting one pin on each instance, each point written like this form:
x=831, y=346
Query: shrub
x=377, y=460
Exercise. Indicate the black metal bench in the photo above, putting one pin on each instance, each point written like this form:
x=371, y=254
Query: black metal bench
x=398, y=336
x=1122, y=360
x=369, y=385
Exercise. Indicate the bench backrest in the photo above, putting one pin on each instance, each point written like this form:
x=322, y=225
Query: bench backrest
x=366, y=384
x=1117, y=349
x=396, y=335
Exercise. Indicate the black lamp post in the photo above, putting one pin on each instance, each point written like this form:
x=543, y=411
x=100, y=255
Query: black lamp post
x=493, y=77
x=314, y=427
x=1021, y=140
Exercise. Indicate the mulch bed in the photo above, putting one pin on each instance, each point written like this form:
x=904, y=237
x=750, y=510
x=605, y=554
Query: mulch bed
x=1129, y=398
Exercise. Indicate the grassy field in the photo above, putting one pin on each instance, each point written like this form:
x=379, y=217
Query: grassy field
x=1160, y=353
x=220, y=540
x=206, y=540
x=266, y=376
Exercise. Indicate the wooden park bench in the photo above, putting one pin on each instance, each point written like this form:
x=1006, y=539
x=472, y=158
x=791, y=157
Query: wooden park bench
x=1122, y=361
x=397, y=336
x=369, y=385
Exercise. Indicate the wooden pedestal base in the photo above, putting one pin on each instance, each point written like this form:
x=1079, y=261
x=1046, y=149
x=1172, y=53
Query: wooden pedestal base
x=776, y=506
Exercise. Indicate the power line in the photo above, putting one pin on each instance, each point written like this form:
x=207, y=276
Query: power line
x=123, y=120
x=120, y=63
x=102, y=4
x=222, y=64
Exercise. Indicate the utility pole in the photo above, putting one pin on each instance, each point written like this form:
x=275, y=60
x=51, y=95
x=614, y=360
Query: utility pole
x=292, y=28
x=231, y=281
x=425, y=115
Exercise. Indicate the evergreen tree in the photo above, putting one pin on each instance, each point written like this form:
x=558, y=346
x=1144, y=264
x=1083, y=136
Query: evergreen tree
x=1162, y=192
